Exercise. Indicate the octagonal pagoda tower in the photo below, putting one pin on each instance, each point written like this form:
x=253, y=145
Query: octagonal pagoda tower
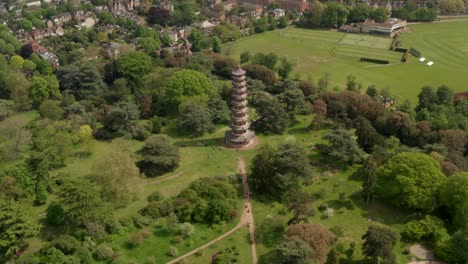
x=239, y=135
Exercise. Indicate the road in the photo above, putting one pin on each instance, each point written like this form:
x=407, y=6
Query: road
x=246, y=219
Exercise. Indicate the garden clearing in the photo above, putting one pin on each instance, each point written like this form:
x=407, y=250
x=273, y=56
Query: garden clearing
x=316, y=52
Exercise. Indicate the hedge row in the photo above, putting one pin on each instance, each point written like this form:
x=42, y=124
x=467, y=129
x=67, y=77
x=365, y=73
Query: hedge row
x=394, y=41
x=375, y=60
x=405, y=56
x=415, y=52
x=401, y=50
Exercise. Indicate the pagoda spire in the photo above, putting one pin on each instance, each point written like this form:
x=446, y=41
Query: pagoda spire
x=240, y=135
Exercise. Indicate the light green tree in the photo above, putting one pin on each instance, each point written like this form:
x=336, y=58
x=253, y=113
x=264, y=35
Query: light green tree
x=16, y=226
x=410, y=180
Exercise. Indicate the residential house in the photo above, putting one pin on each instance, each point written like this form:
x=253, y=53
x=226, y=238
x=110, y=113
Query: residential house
x=113, y=50
x=62, y=18
x=253, y=11
x=206, y=12
x=45, y=54
x=166, y=5
x=277, y=13
x=206, y=27
x=33, y=3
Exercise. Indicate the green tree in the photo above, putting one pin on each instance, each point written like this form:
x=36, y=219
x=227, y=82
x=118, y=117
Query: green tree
x=343, y=146
x=216, y=44
x=378, y=244
x=444, y=95
x=106, y=18
x=261, y=169
x=25, y=24
x=285, y=68
x=359, y=13
x=219, y=110
x=16, y=61
x=16, y=227
x=379, y=14
x=410, y=180
x=81, y=202
x=454, y=196
x=134, y=65
x=299, y=202
x=295, y=251
x=260, y=72
x=273, y=118
x=122, y=118
x=51, y=109
x=158, y=156
x=185, y=84
x=29, y=66
x=197, y=38
x=427, y=98
x=314, y=16
x=81, y=79
x=367, y=136
x=118, y=177
x=333, y=257
x=39, y=90
x=318, y=238
x=148, y=44
x=283, y=22
x=245, y=57
x=195, y=119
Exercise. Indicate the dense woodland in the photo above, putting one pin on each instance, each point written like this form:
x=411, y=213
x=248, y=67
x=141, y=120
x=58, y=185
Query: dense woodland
x=410, y=157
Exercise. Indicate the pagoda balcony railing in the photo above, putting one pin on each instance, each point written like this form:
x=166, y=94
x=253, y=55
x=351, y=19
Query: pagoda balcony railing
x=241, y=123
x=239, y=97
x=238, y=105
x=239, y=78
x=239, y=118
x=242, y=111
x=239, y=84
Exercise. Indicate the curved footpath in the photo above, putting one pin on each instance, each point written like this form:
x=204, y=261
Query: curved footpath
x=246, y=219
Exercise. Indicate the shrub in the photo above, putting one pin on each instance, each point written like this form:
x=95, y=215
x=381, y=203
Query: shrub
x=323, y=207
x=152, y=210
x=136, y=239
x=126, y=221
x=141, y=221
x=114, y=227
x=173, y=251
x=55, y=214
x=151, y=260
x=141, y=133
x=154, y=196
x=96, y=231
x=104, y=252
x=102, y=134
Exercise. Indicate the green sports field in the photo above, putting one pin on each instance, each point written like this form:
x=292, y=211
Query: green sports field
x=316, y=52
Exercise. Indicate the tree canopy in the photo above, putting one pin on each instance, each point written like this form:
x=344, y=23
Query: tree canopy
x=158, y=156
x=411, y=180
x=186, y=84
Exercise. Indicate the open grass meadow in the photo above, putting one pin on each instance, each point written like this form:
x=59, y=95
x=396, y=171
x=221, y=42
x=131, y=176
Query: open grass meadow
x=317, y=52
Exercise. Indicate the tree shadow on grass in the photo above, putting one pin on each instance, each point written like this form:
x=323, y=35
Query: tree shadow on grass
x=49, y=232
x=380, y=212
x=211, y=142
x=270, y=257
x=298, y=130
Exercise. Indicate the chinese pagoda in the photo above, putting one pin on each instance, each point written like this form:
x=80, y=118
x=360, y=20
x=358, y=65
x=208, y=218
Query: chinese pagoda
x=239, y=135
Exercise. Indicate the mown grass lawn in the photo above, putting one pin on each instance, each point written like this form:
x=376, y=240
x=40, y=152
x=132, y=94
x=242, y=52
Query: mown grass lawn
x=316, y=52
